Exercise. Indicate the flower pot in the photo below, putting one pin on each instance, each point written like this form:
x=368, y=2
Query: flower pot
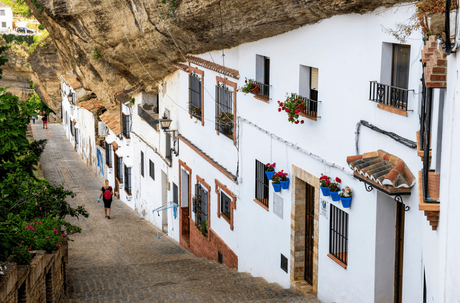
x=255, y=89
x=325, y=191
x=276, y=187
x=335, y=195
x=285, y=184
x=301, y=107
x=270, y=174
x=346, y=202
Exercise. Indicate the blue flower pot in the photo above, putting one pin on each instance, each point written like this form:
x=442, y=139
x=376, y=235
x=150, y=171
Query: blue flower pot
x=346, y=202
x=270, y=174
x=276, y=187
x=325, y=191
x=335, y=195
x=285, y=184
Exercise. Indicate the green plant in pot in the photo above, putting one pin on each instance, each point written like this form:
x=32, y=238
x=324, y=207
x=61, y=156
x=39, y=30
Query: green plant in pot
x=334, y=189
x=293, y=106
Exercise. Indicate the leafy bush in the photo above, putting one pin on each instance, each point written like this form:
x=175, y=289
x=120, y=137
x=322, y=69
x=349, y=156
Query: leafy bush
x=20, y=39
x=41, y=27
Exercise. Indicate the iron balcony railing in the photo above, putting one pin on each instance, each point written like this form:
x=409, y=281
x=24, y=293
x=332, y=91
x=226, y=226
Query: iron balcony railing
x=151, y=119
x=389, y=95
x=264, y=90
x=195, y=111
x=311, y=107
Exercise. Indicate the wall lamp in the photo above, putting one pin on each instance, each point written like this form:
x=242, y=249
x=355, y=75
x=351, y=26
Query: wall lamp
x=70, y=98
x=165, y=123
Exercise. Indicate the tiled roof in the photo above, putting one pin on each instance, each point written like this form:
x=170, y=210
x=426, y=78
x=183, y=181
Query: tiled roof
x=182, y=67
x=91, y=104
x=383, y=170
x=230, y=72
x=72, y=81
x=112, y=120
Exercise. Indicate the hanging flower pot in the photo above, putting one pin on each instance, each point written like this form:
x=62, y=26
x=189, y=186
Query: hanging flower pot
x=285, y=184
x=346, y=202
x=270, y=174
x=335, y=196
x=255, y=89
x=325, y=190
x=276, y=187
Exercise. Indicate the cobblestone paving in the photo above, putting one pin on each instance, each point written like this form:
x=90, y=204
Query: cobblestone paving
x=121, y=259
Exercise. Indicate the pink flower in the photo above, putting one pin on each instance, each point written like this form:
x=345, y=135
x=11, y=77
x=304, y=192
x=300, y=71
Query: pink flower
x=288, y=110
x=246, y=81
x=63, y=235
x=279, y=109
x=296, y=122
x=58, y=244
x=296, y=111
x=302, y=122
x=281, y=104
x=337, y=179
x=47, y=237
x=30, y=248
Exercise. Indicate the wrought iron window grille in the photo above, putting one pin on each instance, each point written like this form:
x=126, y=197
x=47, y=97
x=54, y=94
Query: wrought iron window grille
x=224, y=111
x=338, y=234
x=311, y=106
x=261, y=184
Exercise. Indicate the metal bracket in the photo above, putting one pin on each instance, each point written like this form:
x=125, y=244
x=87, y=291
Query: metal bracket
x=368, y=187
x=399, y=199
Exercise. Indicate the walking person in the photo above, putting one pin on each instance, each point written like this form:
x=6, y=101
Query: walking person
x=45, y=120
x=33, y=119
x=106, y=195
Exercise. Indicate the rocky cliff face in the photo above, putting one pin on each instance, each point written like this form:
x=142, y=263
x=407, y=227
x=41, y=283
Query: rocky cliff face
x=137, y=48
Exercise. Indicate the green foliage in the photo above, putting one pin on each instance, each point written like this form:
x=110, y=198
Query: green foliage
x=20, y=39
x=19, y=7
x=3, y=58
x=132, y=101
x=41, y=27
x=96, y=55
x=167, y=9
x=38, y=6
x=38, y=41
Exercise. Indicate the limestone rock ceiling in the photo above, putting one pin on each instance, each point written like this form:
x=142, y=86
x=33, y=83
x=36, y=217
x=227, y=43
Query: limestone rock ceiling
x=127, y=32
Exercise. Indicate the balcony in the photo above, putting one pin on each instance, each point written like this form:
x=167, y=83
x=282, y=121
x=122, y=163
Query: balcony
x=263, y=91
x=390, y=98
x=310, y=110
x=150, y=118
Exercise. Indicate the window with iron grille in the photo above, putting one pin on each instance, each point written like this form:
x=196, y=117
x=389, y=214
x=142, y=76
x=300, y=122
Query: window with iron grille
x=119, y=168
x=263, y=76
x=152, y=169
x=195, y=96
x=126, y=125
x=2, y=13
x=142, y=163
x=76, y=135
x=224, y=111
x=338, y=234
x=201, y=208
x=108, y=154
x=261, y=187
x=128, y=180
x=225, y=205
x=3, y=24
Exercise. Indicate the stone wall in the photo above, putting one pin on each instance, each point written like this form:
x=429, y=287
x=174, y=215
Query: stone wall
x=44, y=280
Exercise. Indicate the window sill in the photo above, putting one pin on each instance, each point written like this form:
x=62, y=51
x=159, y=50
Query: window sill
x=261, y=204
x=337, y=261
x=261, y=99
x=308, y=117
x=128, y=193
x=393, y=110
x=225, y=217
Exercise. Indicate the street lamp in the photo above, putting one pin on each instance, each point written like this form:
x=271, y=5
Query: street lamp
x=70, y=97
x=165, y=123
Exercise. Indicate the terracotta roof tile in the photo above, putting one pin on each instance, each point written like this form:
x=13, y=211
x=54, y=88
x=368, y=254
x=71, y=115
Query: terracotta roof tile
x=230, y=72
x=182, y=67
x=72, y=81
x=112, y=120
x=384, y=170
x=91, y=104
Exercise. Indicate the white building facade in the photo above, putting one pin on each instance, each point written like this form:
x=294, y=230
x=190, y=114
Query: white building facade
x=6, y=18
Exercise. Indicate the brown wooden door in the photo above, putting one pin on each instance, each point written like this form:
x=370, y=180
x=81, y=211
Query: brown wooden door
x=185, y=204
x=399, y=251
x=309, y=232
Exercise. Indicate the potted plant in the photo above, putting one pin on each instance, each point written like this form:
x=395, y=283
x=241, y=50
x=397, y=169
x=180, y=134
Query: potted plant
x=270, y=170
x=276, y=183
x=225, y=122
x=284, y=180
x=250, y=87
x=293, y=105
x=345, y=197
x=196, y=111
x=203, y=227
x=324, y=182
x=334, y=189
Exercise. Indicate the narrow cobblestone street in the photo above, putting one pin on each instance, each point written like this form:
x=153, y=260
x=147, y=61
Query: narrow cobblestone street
x=121, y=259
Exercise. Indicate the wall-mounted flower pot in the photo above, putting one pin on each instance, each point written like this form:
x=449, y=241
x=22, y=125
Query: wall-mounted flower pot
x=255, y=89
x=276, y=187
x=335, y=196
x=270, y=174
x=325, y=190
x=285, y=184
x=346, y=202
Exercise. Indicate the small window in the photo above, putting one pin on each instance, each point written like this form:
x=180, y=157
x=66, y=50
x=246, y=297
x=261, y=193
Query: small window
x=224, y=111
x=152, y=169
x=261, y=187
x=201, y=209
x=4, y=24
x=76, y=135
x=263, y=76
x=225, y=205
x=2, y=13
x=308, y=82
x=338, y=234
x=142, y=163
x=168, y=146
x=108, y=154
x=128, y=180
x=195, y=96
x=126, y=125
x=119, y=168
